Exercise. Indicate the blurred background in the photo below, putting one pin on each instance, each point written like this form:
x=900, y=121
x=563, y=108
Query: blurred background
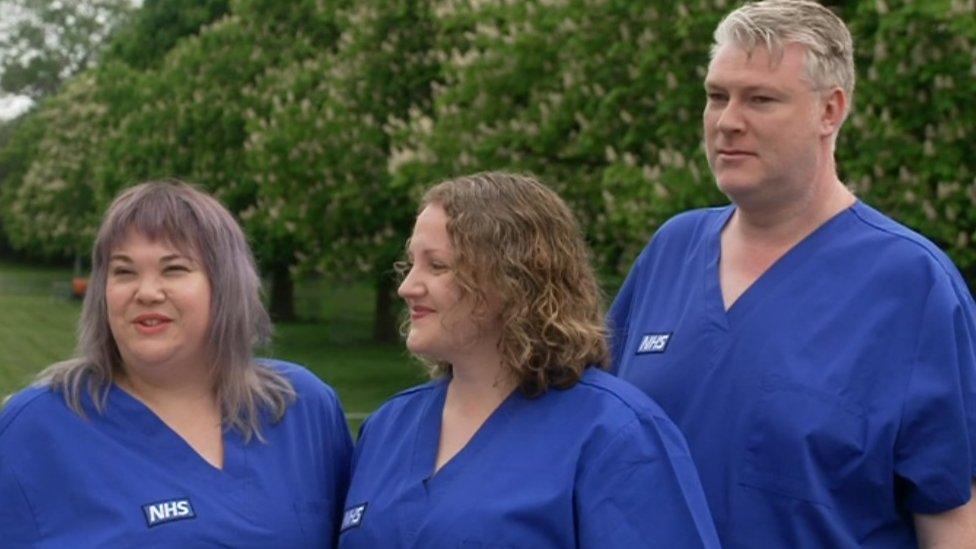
x=319, y=123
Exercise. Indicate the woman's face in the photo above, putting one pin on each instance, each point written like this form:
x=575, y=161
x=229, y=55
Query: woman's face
x=158, y=302
x=443, y=325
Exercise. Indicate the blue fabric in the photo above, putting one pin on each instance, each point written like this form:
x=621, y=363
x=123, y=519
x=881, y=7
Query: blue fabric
x=596, y=465
x=833, y=400
x=66, y=481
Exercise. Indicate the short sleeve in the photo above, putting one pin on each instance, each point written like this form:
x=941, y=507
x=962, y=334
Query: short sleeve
x=642, y=490
x=935, y=452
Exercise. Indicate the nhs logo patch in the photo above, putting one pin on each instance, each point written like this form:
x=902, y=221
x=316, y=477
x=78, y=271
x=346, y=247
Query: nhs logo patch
x=352, y=517
x=168, y=511
x=654, y=343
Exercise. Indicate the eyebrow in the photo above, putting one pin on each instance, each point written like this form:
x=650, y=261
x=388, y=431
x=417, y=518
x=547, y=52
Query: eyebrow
x=428, y=252
x=754, y=88
x=165, y=259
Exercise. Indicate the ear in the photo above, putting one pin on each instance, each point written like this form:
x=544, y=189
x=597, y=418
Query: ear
x=832, y=111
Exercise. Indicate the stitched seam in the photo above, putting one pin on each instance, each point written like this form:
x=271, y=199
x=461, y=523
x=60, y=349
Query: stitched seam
x=23, y=494
x=908, y=238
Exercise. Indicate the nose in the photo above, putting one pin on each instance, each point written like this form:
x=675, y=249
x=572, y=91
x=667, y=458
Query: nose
x=411, y=286
x=729, y=117
x=150, y=290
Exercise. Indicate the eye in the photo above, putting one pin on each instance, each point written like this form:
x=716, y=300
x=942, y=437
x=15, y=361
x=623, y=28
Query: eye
x=716, y=97
x=761, y=99
x=402, y=267
x=439, y=267
x=176, y=269
x=121, y=271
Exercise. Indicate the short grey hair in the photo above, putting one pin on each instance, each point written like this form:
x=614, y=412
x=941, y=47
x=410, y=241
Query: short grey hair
x=774, y=23
x=196, y=224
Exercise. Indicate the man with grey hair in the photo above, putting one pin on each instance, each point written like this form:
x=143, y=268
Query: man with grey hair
x=819, y=357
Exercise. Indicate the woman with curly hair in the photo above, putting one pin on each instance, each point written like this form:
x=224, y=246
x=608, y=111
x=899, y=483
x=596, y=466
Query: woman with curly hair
x=521, y=439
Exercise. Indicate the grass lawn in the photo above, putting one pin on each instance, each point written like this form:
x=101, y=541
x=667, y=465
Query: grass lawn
x=37, y=327
x=37, y=321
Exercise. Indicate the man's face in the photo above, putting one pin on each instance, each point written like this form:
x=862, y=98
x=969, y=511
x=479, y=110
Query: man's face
x=763, y=131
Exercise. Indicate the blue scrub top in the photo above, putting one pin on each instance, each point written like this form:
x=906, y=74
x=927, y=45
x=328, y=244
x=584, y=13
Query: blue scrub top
x=596, y=465
x=125, y=479
x=833, y=400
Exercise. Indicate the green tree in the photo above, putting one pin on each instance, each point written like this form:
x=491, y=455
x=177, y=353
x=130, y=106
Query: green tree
x=46, y=42
x=56, y=207
x=600, y=98
x=157, y=26
x=42, y=45
x=191, y=124
x=320, y=152
x=19, y=142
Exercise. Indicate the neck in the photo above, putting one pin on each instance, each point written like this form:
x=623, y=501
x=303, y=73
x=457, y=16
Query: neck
x=171, y=389
x=784, y=223
x=479, y=382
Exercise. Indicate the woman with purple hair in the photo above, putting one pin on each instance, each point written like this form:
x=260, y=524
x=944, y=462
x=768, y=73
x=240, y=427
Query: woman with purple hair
x=164, y=430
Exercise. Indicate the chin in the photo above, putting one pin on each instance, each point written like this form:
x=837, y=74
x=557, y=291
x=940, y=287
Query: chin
x=734, y=187
x=416, y=344
x=424, y=350
x=150, y=360
x=155, y=353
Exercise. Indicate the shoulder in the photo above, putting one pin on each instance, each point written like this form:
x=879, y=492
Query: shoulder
x=623, y=421
x=407, y=405
x=614, y=401
x=299, y=376
x=692, y=220
x=638, y=460
x=903, y=256
x=414, y=394
x=900, y=242
x=685, y=230
x=307, y=386
x=692, y=224
x=31, y=410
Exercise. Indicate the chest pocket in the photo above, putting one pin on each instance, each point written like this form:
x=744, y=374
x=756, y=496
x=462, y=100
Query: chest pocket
x=802, y=443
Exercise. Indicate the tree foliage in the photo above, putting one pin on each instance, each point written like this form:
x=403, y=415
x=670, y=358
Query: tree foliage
x=320, y=121
x=18, y=146
x=907, y=148
x=157, y=26
x=47, y=41
x=600, y=98
x=192, y=123
x=325, y=138
x=56, y=207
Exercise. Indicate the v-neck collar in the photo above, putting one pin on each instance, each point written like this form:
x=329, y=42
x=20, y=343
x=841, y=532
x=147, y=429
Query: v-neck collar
x=428, y=436
x=769, y=279
x=168, y=447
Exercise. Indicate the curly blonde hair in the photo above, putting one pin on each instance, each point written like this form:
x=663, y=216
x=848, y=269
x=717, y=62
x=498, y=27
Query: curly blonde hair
x=516, y=239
